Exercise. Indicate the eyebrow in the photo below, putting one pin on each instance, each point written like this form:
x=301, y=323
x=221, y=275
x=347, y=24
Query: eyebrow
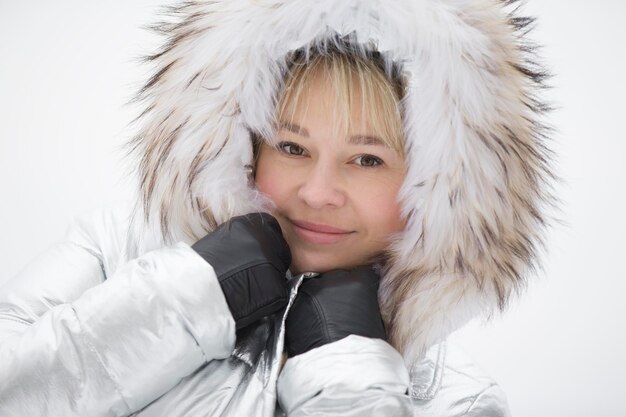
x=292, y=127
x=354, y=140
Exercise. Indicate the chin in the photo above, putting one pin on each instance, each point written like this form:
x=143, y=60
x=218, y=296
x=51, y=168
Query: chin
x=318, y=263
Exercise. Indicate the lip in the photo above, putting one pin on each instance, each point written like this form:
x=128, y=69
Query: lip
x=319, y=233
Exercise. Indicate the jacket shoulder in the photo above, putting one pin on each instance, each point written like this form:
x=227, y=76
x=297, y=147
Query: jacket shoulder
x=448, y=382
x=104, y=233
x=93, y=247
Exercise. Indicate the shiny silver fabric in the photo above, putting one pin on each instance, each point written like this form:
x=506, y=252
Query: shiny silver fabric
x=84, y=331
x=242, y=385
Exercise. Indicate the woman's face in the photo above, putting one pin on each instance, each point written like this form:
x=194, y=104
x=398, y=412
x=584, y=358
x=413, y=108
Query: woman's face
x=335, y=191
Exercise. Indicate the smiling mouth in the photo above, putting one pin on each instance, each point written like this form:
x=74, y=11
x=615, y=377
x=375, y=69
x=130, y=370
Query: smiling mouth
x=319, y=234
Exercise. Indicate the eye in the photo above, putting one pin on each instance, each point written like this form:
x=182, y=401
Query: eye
x=368, y=161
x=290, y=148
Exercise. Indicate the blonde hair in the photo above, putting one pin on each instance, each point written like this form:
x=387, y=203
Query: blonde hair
x=350, y=75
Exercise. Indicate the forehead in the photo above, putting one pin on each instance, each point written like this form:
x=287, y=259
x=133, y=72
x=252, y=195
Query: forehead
x=315, y=120
x=342, y=97
x=354, y=139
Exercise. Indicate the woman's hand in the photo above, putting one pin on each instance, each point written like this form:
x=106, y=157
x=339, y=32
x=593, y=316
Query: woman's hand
x=250, y=258
x=332, y=306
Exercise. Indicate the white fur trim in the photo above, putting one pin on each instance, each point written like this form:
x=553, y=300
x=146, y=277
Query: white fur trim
x=478, y=166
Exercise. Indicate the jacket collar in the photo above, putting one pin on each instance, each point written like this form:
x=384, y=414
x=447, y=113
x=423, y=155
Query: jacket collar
x=426, y=373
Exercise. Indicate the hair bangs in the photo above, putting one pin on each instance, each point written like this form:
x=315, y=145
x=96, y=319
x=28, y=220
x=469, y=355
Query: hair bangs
x=355, y=82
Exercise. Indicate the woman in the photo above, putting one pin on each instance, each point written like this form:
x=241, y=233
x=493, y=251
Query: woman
x=386, y=158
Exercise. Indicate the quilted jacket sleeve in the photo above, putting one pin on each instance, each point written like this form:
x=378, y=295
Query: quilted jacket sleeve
x=355, y=376
x=79, y=339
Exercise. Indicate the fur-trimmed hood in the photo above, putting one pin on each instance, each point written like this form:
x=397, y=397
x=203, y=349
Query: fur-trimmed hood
x=478, y=178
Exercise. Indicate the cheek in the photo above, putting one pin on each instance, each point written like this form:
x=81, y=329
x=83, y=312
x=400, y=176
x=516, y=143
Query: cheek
x=382, y=210
x=265, y=184
x=268, y=178
x=387, y=217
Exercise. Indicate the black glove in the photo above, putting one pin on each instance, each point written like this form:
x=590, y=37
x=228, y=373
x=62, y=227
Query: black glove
x=332, y=306
x=250, y=258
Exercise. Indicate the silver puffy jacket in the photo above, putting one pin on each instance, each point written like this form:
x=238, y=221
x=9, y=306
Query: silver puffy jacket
x=85, y=331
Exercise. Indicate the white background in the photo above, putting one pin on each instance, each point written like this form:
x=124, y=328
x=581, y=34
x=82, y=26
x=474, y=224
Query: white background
x=67, y=68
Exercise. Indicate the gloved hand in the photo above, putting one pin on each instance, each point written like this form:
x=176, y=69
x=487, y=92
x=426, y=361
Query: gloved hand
x=250, y=258
x=332, y=306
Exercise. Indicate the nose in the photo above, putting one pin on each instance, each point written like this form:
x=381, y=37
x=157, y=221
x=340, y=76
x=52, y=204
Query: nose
x=322, y=188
